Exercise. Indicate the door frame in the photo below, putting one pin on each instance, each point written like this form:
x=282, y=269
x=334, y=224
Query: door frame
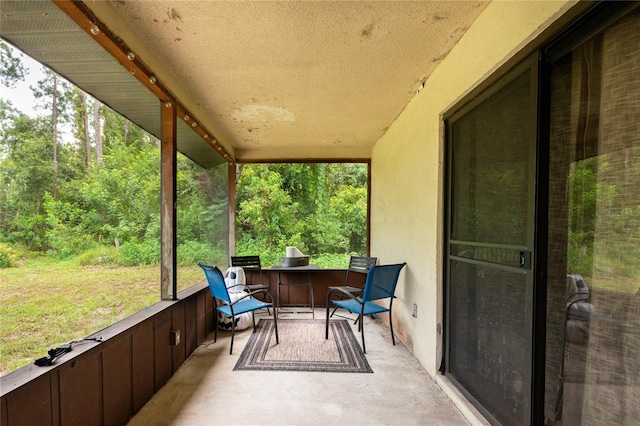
x=533, y=295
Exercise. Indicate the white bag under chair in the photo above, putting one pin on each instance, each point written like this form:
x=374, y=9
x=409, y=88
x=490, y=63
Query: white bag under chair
x=234, y=279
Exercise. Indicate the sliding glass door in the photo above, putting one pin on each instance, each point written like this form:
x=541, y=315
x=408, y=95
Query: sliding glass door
x=593, y=285
x=542, y=275
x=492, y=160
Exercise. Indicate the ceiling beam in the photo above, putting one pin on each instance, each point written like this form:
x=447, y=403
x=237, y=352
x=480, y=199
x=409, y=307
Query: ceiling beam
x=188, y=118
x=84, y=18
x=79, y=13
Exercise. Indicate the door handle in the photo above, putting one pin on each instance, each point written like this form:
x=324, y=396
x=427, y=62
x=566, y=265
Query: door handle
x=525, y=259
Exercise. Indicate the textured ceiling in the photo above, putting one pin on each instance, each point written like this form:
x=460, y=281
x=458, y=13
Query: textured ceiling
x=294, y=79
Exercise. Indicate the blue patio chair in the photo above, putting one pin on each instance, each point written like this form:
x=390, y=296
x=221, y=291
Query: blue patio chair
x=380, y=284
x=245, y=304
x=357, y=265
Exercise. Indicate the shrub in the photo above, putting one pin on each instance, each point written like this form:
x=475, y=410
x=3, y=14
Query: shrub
x=268, y=257
x=8, y=256
x=192, y=252
x=99, y=256
x=331, y=260
x=139, y=253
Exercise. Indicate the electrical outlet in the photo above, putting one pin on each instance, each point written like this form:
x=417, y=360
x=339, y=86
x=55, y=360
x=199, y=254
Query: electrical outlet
x=174, y=337
x=415, y=311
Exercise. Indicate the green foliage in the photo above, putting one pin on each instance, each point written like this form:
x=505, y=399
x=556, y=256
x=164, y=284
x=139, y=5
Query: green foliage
x=579, y=257
x=100, y=255
x=192, y=252
x=319, y=208
x=203, y=204
x=604, y=216
x=249, y=247
x=349, y=210
x=331, y=260
x=265, y=211
x=60, y=199
x=8, y=256
x=26, y=174
x=11, y=70
x=53, y=90
x=203, y=213
x=135, y=253
x=65, y=233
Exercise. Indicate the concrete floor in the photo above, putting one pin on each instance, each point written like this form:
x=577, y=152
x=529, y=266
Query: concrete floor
x=206, y=390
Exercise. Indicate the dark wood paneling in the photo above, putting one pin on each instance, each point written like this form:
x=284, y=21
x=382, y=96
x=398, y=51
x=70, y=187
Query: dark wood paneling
x=322, y=279
x=190, y=330
x=209, y=318
x=117, y=379
x=54, y=386
x=178, y=323
x=4, y=413
x=144, y=384
x=81, y=391
x=162, y=349
x=110, y=382
x=201, y=312
x=30, y=405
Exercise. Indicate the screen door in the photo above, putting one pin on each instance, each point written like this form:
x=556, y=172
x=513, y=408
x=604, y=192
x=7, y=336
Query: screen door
x=491, y=190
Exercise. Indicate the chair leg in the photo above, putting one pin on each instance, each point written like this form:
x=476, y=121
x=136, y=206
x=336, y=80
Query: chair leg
x=215, y=331
x=275, y=323
x=264, y=299
x=361, y=326
x=356, y=321
x=326, y=327
x=277, y=303
x=233, y=332
x=393, y=339
x=334, y=311
x=313, y=312
x=253, y=319
x=329, y=305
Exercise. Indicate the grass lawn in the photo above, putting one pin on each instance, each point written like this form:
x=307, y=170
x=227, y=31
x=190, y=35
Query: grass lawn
x=44, y=305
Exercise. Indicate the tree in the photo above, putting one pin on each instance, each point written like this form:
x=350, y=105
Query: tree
x=321, y=208
x=55, y=95
x=12, y=69
x=25, y=176
x=266, y=213
x=81, y=126
x=52, y=199
x=97, y=131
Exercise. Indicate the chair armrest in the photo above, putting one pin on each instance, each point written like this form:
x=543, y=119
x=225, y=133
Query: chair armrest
x=252, y=293
x=257, y=286
x=343, y=291
x=348, y=288
x=236, y=285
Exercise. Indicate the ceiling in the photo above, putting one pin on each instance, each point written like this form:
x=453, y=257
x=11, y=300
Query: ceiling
x=277, y=80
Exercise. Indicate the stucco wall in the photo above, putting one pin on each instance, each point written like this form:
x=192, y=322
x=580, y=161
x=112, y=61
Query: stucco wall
x=407, y=170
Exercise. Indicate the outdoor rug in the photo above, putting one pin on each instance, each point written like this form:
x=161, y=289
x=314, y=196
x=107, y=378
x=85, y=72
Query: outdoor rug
x=303, y=348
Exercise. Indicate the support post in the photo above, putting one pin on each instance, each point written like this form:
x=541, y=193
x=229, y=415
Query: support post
x=168, y=223
x=233, y=180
